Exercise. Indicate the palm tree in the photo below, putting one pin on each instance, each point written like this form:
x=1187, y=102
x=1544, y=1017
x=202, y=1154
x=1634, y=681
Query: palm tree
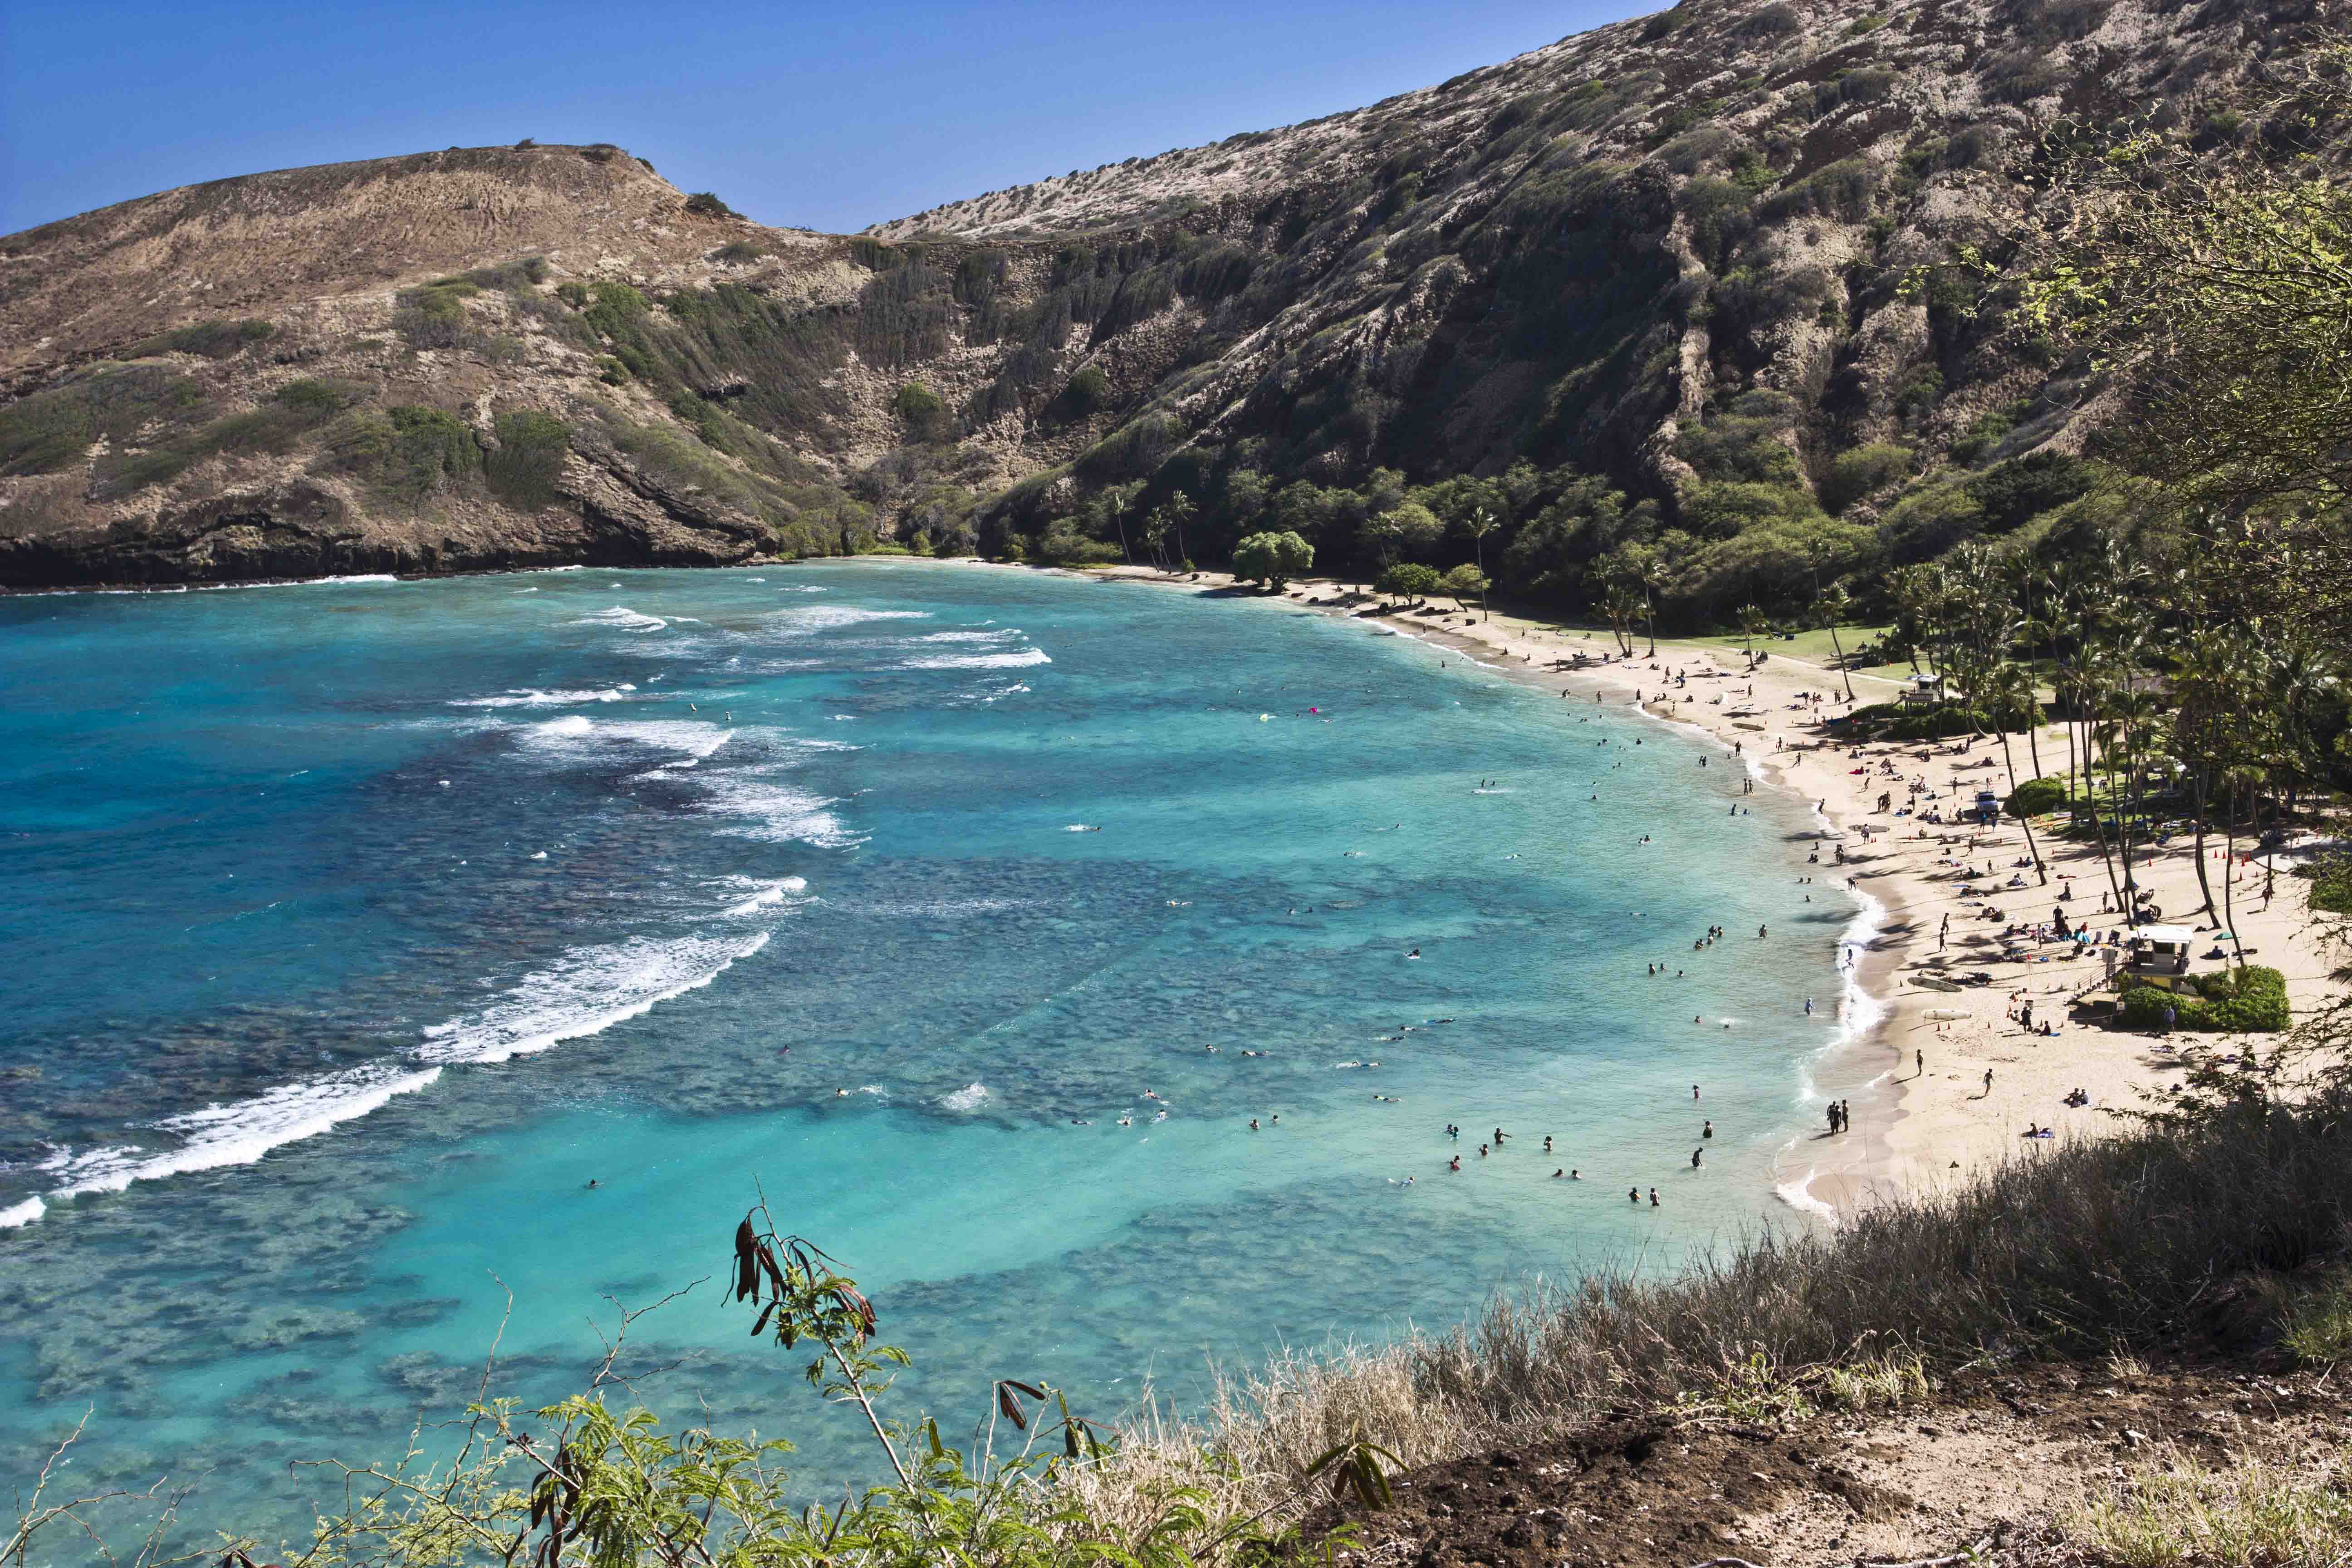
x=2009, y=693
x=1621, y=607
x=1179, y=508
x=1830, y=606
x=1651, y=573
x=1478, y=525
x=1753, y=623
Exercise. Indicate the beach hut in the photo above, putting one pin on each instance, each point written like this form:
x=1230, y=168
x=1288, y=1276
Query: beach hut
x=1924, y=691
x=2163, y=948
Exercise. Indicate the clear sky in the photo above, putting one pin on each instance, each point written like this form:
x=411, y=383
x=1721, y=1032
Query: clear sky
x=833, y=117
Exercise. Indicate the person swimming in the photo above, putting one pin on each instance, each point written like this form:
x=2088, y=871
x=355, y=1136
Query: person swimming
x=1455, y=1163
x=1694, y=1158
x=1254, y=1124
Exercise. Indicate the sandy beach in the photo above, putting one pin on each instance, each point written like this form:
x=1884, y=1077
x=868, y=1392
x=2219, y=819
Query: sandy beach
x=1913, y=1063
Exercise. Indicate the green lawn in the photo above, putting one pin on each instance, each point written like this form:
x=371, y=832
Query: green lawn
x=1812, y=647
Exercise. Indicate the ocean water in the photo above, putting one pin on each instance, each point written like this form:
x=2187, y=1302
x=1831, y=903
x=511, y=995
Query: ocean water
x=349, y=931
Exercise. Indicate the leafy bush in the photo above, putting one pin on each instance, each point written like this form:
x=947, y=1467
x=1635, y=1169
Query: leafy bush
x=1861, y=471
x=1085, y=392
x=50, y=430
x=435, y=316
x=1721, y=215
x=218, y=339
x=706, y=204
x=2331, y=883
x=276, y=427
x=2012, y=493
x=2036, y=797
x=1904, y=721
x=406, y=454
x=738, y=251
x=529, y=457
x=2248, y=1000
x=506, y=276
x=1842, y=190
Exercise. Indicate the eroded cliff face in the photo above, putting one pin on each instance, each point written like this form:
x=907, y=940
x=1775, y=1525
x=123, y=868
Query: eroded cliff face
x=1717, y=246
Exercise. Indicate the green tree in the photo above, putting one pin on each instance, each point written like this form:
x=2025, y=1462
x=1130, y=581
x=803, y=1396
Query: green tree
x=1465, y=582
x=1753, y=623
x=1272, y=558
x=1408, y=580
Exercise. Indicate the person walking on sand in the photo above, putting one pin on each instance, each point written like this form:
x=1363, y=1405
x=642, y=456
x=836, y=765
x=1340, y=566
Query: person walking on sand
x=1919, y=1064
x=1987, y=1081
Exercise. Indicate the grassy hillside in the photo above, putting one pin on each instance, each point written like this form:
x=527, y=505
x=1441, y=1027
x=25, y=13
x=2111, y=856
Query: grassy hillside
x=1723, y=299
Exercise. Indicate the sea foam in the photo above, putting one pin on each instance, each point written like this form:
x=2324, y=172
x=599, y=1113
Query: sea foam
x=586, y=991
x=528, y=697
x=241, y=1131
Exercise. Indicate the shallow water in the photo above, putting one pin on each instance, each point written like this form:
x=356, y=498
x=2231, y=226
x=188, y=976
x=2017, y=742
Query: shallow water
x=348, y=930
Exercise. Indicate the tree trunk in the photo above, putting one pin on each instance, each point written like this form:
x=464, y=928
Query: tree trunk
x=2204, y=884
x=1844, y=672
x=2024, y=821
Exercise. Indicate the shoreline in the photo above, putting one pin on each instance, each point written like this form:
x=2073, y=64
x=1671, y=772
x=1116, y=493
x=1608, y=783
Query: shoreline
x=1916, y=1129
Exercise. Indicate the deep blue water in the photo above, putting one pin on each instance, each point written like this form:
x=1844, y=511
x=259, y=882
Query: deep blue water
x=348, y=930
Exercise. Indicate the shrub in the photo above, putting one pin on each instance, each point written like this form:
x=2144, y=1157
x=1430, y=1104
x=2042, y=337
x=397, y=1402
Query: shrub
x=1842, y=190
x=2248, y=1000
x=2012, y=493
x=406, y=454
x=1901, y=721
x=214, y=339
x=433, y=316
x=515, y=276
x=1861, y=471
x=48, y=431
x=1083, y=394
x=276, y=425
x=920, y=410
x=2331, y=883
x=530, y=455
x=706, y=204
x=738, y=251
x=2036, y=797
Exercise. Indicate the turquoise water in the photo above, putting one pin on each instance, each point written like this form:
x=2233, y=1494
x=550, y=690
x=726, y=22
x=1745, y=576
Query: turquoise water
x=348, y=930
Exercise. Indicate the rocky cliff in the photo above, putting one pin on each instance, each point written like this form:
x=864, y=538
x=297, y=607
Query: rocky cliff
x=1744, y=263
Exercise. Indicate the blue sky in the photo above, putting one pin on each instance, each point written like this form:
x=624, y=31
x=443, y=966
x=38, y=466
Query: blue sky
x=832, y=117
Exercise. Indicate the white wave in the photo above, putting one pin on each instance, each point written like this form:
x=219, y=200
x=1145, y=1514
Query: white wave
x=970, y=1097
x=24, y=1213
x=806, y=620
x=575, y=733
x=586, y=991
x=970, y=637
x=344, y=582
x=764, y=895
x=804, y=588
x=620, y=616
x=1798, y=1196
x=773, y=813
x=1012, y=660
x=242, y=1132
x=530, y=696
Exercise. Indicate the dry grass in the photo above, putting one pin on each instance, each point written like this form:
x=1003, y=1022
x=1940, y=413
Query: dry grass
x=2101, y=1252
x=2173, y=1511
